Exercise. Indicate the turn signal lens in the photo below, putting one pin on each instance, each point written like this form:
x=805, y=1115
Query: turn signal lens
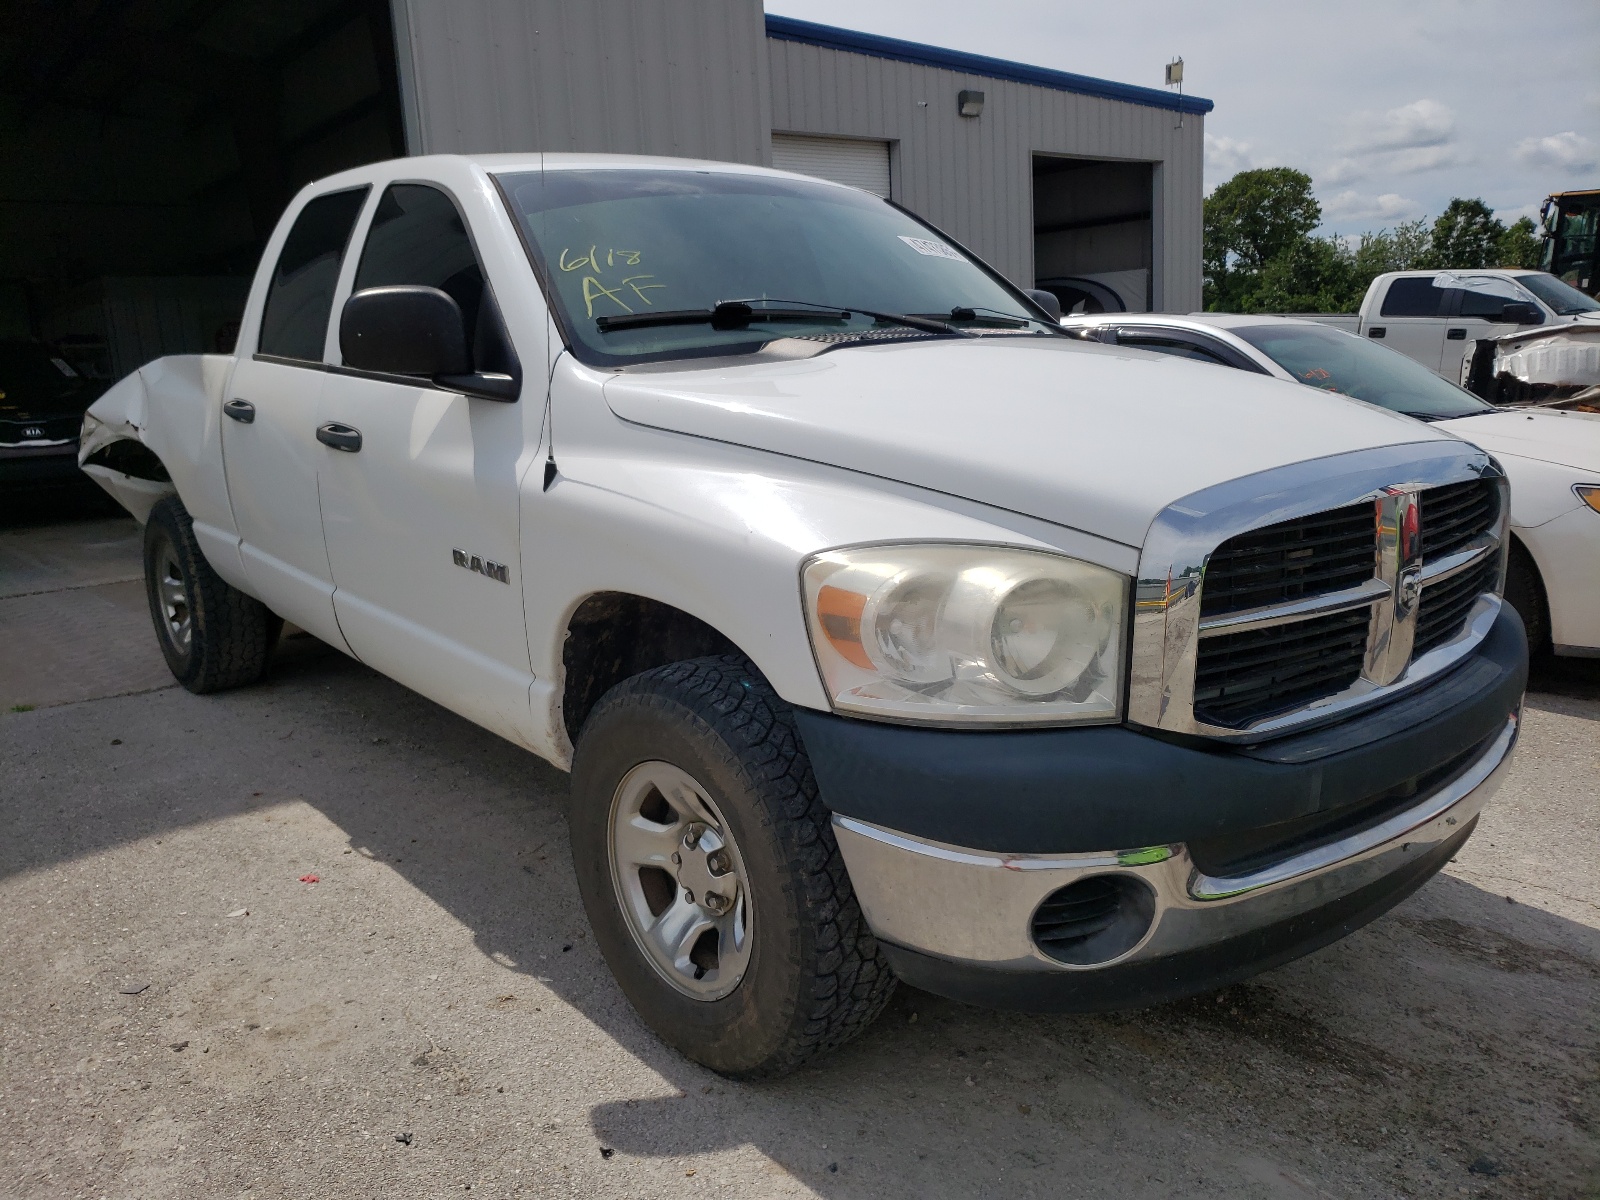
x=1589, y=495
x=967, y=634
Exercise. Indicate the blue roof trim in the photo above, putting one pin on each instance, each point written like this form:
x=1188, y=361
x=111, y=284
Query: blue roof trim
x=788, y=29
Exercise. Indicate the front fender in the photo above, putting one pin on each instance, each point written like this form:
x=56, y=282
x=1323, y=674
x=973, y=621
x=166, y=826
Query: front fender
x=173, y=408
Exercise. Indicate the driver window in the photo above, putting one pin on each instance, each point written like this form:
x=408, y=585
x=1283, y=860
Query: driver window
x=1485, y=295
x=418, y=236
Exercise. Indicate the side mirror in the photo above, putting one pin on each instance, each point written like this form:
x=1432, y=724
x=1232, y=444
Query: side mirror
x=404, y=330
x=1047, y=301
x=1520, y=312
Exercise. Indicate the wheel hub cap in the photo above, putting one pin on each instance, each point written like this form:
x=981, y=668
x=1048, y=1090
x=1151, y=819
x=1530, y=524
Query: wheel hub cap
x=680, y=881
x=174, y=596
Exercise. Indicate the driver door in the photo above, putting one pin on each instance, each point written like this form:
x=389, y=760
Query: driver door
x=420, y=489
x=1477, y=305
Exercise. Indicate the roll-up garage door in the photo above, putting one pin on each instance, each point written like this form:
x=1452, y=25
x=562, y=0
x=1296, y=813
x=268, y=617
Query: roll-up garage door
x=854, y=161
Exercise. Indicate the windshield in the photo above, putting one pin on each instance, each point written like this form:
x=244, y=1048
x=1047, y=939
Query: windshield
x=631, y=243
x=1564, y=298
x=1336, y=361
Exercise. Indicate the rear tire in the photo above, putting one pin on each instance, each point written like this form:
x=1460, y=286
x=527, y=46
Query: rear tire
x=212, y=635
x=794, y=970
x=1525, y=593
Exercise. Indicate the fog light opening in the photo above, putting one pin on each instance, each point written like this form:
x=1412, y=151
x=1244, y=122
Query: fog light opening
x=1094, y=920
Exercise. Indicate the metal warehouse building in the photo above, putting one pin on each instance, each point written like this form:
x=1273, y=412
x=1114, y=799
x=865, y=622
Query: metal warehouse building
x=148, y=146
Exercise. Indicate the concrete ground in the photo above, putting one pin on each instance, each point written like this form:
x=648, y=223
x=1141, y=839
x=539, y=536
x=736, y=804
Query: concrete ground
x=184, y=1013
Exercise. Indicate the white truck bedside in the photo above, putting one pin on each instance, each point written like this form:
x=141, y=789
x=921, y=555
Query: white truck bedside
x=886, y=630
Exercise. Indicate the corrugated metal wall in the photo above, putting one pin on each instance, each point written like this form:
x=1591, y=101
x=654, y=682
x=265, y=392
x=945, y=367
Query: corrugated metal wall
x=620, y=76
x=973, y=177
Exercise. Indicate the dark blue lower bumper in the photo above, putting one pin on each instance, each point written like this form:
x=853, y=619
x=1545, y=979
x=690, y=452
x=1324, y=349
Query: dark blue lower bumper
x=1110, y=787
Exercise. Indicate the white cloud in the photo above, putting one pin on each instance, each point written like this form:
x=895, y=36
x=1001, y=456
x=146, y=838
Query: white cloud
x=1351, y=206
x=1227, y=156
x=1569, y=151
x=1420, y=123
x=1420, y=136
x=1395, y=162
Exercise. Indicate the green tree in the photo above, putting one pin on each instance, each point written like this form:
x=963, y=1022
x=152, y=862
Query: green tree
x=1519, y=245
x=1311, y=275
x=1408, y=247
x=1466, y=235
x=1251, y=219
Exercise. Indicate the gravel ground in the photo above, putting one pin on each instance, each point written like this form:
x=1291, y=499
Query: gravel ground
x=186, y=1014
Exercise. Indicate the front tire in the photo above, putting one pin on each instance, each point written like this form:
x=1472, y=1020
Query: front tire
x=212, y=635
x=690, y=779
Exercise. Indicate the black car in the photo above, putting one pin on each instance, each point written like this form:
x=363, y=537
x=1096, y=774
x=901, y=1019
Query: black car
x=42, y=401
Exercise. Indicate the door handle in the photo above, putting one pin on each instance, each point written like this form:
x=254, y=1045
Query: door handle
x=240, y=410
x=1456, y=335
x=340, y=437
x=1377, y=331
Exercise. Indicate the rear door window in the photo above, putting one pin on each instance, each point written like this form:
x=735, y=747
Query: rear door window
x=419, y=237
x=1414, y=297
x=300, y=293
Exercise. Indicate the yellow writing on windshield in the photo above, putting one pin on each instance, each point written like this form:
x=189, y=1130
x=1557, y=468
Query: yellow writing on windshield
x=594, y=290
x=612, y=256
x=630, y=287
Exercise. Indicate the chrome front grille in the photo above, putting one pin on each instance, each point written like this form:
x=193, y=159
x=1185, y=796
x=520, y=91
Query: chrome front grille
x=1242, y=677
x=1299, y=593
x=1453, y=515
x=1445, y=606
x=1308, y=556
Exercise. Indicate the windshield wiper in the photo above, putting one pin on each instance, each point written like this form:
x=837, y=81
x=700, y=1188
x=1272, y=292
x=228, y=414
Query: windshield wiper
x=993, y=317
x=911, y=321
x=730, y=314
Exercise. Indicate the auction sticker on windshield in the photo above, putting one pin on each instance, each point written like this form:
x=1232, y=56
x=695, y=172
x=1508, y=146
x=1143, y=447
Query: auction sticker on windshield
x=930, y=248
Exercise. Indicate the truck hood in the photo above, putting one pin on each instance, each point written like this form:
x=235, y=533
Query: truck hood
x=1569, y=439
x=1097, y=438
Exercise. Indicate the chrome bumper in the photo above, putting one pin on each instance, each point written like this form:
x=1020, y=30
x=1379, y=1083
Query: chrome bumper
x=976, y=907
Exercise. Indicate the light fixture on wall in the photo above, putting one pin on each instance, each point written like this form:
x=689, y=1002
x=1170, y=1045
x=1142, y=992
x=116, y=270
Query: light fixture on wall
x=969, y=103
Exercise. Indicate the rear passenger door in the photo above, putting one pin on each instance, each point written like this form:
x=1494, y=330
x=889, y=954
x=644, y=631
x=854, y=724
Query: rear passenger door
x=422, y=519
x=1412, y=319
x=269, y=446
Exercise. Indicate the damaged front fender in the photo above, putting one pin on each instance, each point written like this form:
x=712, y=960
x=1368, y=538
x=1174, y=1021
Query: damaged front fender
x=157, y=432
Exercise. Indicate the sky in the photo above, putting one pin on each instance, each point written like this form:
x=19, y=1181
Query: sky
x=1392, y=107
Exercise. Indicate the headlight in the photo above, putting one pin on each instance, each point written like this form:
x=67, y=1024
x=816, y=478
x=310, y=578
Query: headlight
x=1589, y=495
x=960, y=635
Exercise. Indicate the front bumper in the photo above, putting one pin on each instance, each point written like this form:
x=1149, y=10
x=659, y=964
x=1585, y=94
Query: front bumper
x=960, y=922
x=1231, y=859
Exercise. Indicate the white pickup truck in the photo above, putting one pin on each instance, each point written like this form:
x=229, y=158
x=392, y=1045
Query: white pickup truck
x=886, y=630
x=1436, y=316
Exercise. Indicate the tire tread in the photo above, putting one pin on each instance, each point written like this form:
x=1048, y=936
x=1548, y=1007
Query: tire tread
x=232, y=634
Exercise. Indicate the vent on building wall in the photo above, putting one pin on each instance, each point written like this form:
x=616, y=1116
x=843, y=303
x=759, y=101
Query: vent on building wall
x=857, y=162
